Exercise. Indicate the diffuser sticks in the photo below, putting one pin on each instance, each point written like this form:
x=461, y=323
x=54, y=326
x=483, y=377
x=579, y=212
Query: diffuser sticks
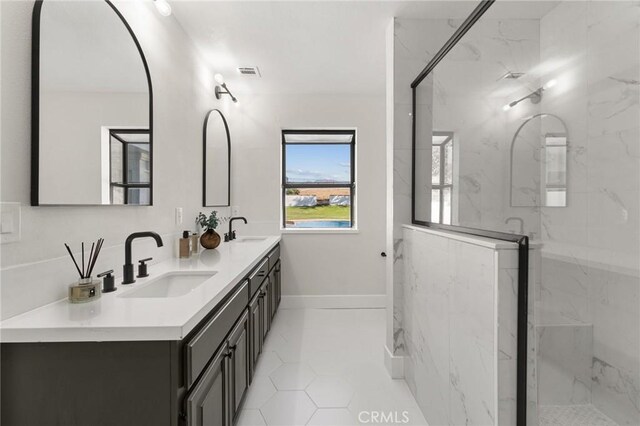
x=87, y=269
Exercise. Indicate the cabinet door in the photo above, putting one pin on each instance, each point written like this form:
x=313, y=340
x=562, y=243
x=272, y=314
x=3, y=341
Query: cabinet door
x=239, y=363
x=278, y=284
x=255, y=327
x=207, y=404
x=266, y=307
x=273, y=299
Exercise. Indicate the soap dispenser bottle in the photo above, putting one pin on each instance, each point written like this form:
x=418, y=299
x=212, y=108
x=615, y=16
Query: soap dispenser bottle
x=184, y=251
x=195, y=246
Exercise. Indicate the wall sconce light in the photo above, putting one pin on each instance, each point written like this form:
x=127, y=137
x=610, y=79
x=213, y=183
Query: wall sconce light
x=222, y=89
x=163, y=7
x=535, y=96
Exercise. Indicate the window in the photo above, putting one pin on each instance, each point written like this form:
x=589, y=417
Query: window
x=130, y=166
x=318, y=179
x=555, y=170
x=441, y=177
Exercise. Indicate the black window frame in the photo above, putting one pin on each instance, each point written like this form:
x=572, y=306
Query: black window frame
x=113, y=133
x=442, y=185
x=351, y=185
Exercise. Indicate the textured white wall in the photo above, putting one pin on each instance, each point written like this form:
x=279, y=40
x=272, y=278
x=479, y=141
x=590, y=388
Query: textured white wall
x=313, y=264
x=182, y=89
x=327, y=264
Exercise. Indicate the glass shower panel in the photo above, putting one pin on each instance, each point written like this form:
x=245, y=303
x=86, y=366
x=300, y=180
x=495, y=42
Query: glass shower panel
x=543, y=100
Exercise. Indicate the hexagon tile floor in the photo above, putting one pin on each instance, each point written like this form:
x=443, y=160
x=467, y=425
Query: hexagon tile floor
x=325, y=367
x=573, y=415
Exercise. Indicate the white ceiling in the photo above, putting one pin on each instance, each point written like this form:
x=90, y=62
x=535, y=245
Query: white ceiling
x=320, y=47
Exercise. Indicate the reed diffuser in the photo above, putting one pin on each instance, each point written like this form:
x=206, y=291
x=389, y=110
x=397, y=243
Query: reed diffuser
x=85, y=289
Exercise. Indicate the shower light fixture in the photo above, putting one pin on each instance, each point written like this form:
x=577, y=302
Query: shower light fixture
x=163, y=7
x=222, y=89
x=535, y=96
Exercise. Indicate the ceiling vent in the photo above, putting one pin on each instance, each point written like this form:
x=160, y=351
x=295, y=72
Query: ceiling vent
x=249, y=71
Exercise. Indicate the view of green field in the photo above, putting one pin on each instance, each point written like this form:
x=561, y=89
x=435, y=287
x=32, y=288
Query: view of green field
x=319, y=213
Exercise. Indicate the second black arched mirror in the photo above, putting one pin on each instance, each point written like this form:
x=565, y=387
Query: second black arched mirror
x=216, y=189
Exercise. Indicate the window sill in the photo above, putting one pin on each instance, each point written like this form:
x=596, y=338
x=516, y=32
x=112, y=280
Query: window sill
x=319, y=231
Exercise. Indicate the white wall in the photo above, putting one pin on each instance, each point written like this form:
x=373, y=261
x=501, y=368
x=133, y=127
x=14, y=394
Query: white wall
x=327, y=264
x=313, y=264
x=182, y=90
x=71, y=129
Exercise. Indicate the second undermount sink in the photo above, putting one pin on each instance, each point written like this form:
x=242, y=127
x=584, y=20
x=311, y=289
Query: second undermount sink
x=171, y=284
x=249, y=239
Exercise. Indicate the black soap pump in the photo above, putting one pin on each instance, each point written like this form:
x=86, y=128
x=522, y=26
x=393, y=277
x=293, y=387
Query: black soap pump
x=108, y=283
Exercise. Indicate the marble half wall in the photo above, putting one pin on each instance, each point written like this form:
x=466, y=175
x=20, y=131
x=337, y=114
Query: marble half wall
x=460, y=307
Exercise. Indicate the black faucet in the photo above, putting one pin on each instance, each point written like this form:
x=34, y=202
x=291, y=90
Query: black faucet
x=232, y=234
x=127, y=269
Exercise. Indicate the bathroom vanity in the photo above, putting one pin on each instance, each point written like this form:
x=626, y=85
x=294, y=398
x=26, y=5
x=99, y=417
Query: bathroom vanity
x=177, y=348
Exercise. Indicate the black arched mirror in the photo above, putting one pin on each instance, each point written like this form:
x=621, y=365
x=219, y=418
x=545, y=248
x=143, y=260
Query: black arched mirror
x=216, y=161
x=92, y=115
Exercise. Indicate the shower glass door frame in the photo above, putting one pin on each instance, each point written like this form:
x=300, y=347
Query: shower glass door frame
x=521, y=240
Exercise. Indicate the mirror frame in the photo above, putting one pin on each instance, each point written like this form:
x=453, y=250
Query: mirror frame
x=204, y=159
x=35, y=107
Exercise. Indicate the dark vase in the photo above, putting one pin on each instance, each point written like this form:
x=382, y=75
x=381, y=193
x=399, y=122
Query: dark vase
x=210, y=239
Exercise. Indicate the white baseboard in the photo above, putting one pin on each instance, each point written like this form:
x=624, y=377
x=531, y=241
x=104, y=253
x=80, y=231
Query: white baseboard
x=334, y=301
x=394, y=364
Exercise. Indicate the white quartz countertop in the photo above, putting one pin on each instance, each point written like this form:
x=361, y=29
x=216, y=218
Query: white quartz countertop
x=116, y=318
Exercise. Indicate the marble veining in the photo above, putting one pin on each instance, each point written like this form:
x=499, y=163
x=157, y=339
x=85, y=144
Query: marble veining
x=455, y=352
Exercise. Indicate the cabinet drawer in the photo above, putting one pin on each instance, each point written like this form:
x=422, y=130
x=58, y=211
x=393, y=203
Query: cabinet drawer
x=274, y=256
x=257, y=277
x=201, y=347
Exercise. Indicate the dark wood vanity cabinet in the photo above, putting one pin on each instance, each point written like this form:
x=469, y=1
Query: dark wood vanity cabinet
x=275, y=290
x=199, y=381
x=255, y=331
x=207, y=404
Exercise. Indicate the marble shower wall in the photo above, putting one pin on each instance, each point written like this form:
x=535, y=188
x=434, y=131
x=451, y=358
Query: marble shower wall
x=468, y=100
x=460, y=302
x=415, y=41
x=591, y=256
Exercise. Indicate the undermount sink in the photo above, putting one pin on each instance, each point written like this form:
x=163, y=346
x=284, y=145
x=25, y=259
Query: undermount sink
x=250, y=239
x=171, y=284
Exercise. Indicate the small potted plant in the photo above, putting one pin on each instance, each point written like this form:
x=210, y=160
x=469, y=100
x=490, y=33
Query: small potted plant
x=209, y=239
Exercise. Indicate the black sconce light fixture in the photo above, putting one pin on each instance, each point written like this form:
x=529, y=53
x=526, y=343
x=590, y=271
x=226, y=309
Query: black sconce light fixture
x=222, y=89
x=535, y=96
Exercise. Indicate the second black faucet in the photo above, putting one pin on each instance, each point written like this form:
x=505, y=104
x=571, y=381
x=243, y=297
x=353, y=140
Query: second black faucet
x=232, y=234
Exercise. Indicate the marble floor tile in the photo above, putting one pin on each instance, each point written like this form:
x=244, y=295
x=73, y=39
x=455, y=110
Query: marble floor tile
x=330, y=392
x=573, y=415
x=260, y=391
x=267, y=364
x=250, y=418
x=292, y=377
x=301, y=381
x=333, y=417
x=288, y=408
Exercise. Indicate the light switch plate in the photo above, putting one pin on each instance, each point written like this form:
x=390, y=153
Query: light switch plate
x=178, y=215
x=235, y=211
x=10, y=223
